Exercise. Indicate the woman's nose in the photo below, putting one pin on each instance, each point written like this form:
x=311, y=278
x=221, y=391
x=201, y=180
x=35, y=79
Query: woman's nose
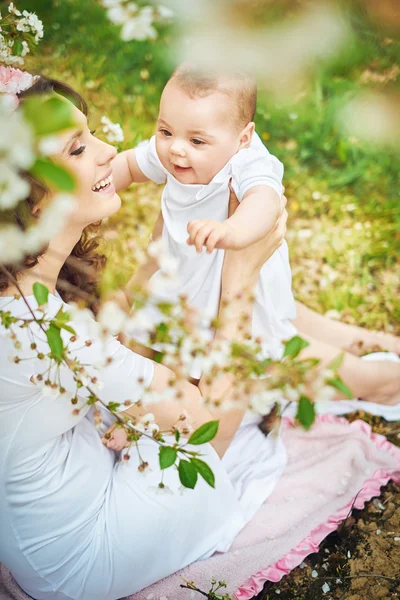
x=107, y=153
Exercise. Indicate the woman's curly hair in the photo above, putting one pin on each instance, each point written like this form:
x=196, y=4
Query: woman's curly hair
x=82, y=269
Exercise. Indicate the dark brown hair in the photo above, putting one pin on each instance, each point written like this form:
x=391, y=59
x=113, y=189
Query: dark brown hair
x=83, y=267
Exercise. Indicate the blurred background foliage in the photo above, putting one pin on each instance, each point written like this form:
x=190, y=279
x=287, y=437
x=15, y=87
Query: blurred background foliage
x=343, y=191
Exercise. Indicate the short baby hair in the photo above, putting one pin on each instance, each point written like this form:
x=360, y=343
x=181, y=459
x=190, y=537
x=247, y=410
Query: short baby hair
x=239, y=86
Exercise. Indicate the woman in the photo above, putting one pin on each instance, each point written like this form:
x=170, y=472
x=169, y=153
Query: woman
x=75, y=523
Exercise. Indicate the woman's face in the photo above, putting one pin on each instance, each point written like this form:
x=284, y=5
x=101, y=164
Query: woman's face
x=89, y=160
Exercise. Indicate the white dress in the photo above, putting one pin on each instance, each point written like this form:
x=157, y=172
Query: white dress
x=200, y=274
x=75, y=523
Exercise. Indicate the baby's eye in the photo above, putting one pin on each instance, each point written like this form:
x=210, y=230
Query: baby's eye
x=165, y=132
x=197, y=142
x=93, y=131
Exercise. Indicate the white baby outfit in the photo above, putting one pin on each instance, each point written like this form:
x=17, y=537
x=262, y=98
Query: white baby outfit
x=200, y=274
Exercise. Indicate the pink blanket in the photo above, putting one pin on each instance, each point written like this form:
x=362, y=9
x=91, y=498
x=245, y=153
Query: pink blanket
x=327, y=467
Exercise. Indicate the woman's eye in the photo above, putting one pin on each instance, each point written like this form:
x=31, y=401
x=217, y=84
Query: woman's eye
x=197, y=142
x=78, y=151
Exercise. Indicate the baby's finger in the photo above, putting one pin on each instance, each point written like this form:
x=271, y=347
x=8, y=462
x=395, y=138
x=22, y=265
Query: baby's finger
x=201, y=237
x=212, y=240
x=193, y=228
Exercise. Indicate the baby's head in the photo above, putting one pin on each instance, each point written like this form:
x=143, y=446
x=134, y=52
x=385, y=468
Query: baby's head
x=203, y=121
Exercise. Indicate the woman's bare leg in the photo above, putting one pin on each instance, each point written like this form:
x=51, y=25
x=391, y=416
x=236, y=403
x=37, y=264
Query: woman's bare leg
x=374, y=381
x=342, y=335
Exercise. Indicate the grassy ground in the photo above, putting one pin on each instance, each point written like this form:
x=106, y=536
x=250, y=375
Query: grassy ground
x=344, y=228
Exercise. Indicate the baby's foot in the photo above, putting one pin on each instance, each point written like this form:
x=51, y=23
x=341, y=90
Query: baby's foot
x=115, y=438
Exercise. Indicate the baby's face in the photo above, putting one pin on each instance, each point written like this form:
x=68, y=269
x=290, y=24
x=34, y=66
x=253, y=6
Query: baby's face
x=195, y=136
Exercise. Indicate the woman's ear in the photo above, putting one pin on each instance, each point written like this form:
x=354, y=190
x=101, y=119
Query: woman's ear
x=36, y=211
x=246, y=135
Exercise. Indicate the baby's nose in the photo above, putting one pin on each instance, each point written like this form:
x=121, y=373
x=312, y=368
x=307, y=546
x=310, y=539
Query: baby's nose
x=177, y=149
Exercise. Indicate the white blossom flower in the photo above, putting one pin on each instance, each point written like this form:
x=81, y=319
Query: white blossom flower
x=324, y=395
x=291, y=394
x=13, y=10
x=116, y=14
x=12, y=187
x=139, y=28
x=50, y=223
x=168, y=264
x=113, y=131
x=16, y=140
x=218, y=357
x=164, y=12
x=160, y=491
x=11, y=244
x=161, y=285
x=112, y=317
x=262, y=403
x=139, y=323
x=50, y=145
x=156, y=248
x=78, y=314
x=30, y=23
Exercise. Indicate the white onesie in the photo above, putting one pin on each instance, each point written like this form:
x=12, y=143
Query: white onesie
x=200, y=274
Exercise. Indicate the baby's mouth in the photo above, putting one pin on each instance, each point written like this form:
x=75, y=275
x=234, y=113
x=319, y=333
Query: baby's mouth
x=180, y=170
x=103, y=184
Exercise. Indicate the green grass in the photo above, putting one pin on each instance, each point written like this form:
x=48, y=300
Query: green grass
x=342, y=190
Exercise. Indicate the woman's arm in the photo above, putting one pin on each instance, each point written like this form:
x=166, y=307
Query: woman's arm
x=240, y=273
x=124, y=297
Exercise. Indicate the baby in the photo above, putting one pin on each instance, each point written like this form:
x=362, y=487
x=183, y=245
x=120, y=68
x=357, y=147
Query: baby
x=204, y=140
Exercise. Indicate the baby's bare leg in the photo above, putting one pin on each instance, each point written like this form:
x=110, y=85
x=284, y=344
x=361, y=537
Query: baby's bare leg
x=374, y=381
x=340, y=334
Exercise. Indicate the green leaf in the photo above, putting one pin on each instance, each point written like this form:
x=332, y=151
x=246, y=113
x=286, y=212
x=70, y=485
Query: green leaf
x=167, y=456
x=305, y=412
x=41, y=293
x=177, y=435
x=61, y=321
x=294, y=346
x=204, y=470
x=55, y=341
x=158, y=356
x=48, y=115
x=338, y=384
x=53, y=174
x=187, y=474
x=204, y=433
x=336, y=363
x=17, y=48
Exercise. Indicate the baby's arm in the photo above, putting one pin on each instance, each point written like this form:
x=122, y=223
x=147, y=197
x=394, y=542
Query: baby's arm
x=253, y=219
x=126, y=170
x=255, y=216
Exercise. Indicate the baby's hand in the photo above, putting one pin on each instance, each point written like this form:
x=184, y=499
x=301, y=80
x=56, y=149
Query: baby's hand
x=211, y=234
x=115, y=438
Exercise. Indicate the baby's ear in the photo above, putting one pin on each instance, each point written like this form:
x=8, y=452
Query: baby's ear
x=246, y=135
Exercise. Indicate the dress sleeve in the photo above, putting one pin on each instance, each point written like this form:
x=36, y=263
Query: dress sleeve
x=120, y=373
x=148, y=161
x=256, y=166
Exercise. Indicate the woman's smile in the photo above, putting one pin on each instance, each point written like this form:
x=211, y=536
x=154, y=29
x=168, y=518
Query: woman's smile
x=105, y=186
